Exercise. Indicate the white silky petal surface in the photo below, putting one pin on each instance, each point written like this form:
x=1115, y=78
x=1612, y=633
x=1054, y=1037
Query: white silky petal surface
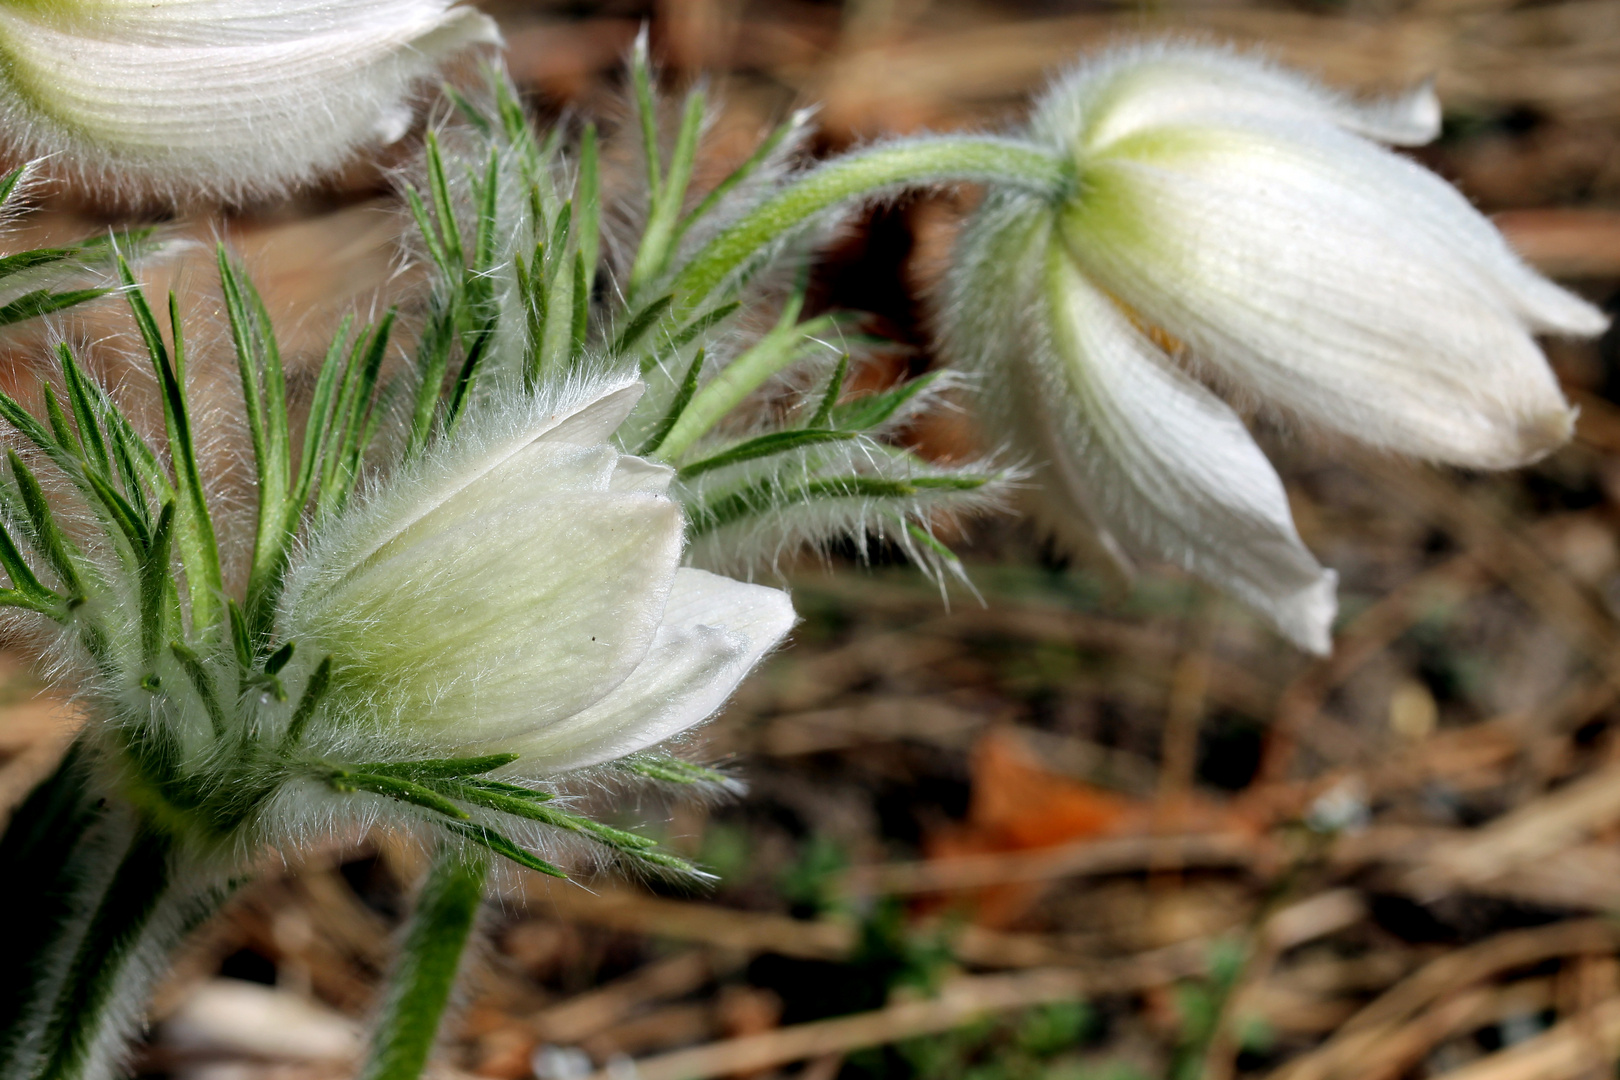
x=528, y=457
x=1426, y=204
x=1150, y=86
x=1324, y=287
x=221, y=22
x=639, y=474
x=714, y=631
x=210, y=96
x=505, y=621
x=1171, y=471
x=502, y=582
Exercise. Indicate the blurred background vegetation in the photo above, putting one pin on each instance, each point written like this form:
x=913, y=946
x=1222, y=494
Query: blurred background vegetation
x=1074, y=830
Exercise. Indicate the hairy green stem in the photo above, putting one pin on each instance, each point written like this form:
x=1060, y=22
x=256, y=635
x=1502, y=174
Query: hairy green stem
x=427, y=966
x=931, y=160
x=49, y=844
x=104, y=905
x=88, y=997
x=768, y=356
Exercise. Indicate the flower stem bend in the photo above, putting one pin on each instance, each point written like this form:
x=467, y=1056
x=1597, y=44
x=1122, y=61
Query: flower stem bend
x=908, y=163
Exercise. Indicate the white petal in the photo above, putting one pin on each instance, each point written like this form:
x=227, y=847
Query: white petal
x=1151, y=86
x=639, y=474
x=499, y=623
x=990, y=323
x=1322, y=295
x=563, y=450
x=186, y=97
x=1418, y=200
x=597, y=419
x=1169, y=469
x=537, y=471
x=714, y=630
x=234, y=22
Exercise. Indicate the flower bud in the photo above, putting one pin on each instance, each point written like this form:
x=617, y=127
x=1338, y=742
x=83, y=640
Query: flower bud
x=226, y=97
x=1232, y=219
x=522, y=593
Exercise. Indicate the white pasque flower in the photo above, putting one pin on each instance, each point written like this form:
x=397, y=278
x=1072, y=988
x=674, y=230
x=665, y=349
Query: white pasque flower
x=1231, y=218
x=520, y=591
x=228, y=97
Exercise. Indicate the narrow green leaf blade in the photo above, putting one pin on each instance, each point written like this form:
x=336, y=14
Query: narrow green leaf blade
x=436, y=768
x=677, y=406
x=868, y=412
x=767, y=445
x=503, y=847
x=429, y=959
x=393, y=787
x=31, y=305
x=829, y=398
x=47, y=535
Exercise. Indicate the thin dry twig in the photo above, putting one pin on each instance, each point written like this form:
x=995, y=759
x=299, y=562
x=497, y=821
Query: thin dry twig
x=958, y=1003
x=1123, y=855
x=1344, y=1054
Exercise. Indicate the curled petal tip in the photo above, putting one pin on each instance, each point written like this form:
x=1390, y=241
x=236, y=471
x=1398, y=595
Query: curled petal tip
x=1306, y=618
x=1544, y=432
x=1579, y=319
x=1412, y=119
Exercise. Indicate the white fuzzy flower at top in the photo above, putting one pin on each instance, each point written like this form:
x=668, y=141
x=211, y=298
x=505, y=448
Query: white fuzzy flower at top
x=521, y=592
x=225, y=97
x=1235, y=220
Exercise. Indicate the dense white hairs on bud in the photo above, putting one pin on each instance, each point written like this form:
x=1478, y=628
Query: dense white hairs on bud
x=1158, y=83
x=222, y=98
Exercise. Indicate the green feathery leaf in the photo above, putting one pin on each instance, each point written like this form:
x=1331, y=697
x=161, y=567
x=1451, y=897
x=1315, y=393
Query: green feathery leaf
x=829, y=399
x=314, y=691
x=503, y=847
x=641, y=322
x=677, y=406
x=772, y=494
x=436, y=768
x=767, y=445
x=741, y=173
x=31, y=305
x=46, y=535
x=868, y=412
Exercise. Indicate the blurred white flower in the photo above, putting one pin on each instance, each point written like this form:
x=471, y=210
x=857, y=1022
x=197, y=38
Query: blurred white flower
x=1233, y=220
x=226, y=97
x=521, y=592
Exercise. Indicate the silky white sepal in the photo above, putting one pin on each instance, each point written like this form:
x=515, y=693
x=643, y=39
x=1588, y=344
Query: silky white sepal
x=518, y=590
x=714, y=631
x=1170, y=83
x=1167, y=468
x=218, y=97
x=1330, y=279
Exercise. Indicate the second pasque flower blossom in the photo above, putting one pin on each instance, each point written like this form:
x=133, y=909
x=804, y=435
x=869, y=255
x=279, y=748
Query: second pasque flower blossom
x=1231, y=219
